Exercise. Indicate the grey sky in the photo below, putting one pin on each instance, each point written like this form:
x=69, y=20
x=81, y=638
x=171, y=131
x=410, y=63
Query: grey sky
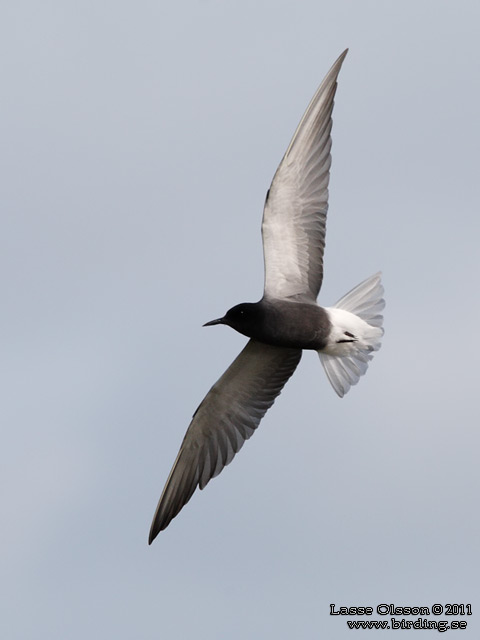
x=138, y=141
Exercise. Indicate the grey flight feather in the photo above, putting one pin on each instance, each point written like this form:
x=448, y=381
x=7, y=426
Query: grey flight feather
x=228, y=415
x=296, y=207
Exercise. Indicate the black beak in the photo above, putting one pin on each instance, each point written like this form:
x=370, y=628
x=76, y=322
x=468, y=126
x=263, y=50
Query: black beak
x=212, y=322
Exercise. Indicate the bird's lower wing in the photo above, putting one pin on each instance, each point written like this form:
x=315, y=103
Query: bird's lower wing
x=228, y=415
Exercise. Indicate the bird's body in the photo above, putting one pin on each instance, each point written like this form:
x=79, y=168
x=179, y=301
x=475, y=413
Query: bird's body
x=286, y=320
x=281, y=323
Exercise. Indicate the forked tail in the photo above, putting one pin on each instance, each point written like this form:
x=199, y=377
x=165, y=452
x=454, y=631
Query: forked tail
x=356, y=332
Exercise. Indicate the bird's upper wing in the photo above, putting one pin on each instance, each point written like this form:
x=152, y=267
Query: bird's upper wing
x=295, y=210
x=228, y=415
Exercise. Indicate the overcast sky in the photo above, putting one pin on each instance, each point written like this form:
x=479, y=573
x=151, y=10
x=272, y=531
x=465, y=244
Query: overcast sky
x=138, y=142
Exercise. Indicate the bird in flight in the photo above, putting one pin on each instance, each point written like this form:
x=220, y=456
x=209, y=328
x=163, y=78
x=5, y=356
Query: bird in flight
x=286, y=320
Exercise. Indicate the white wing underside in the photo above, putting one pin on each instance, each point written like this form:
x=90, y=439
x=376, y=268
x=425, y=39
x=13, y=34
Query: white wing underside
x=295, y=210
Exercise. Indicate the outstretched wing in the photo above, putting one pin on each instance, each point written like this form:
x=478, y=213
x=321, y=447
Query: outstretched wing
x=228, y=415
x=295, y=210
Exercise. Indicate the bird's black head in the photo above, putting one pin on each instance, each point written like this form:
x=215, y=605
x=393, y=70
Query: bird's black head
x=244, y=318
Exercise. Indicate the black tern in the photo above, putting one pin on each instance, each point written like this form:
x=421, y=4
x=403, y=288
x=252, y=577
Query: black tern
x=286, y=320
